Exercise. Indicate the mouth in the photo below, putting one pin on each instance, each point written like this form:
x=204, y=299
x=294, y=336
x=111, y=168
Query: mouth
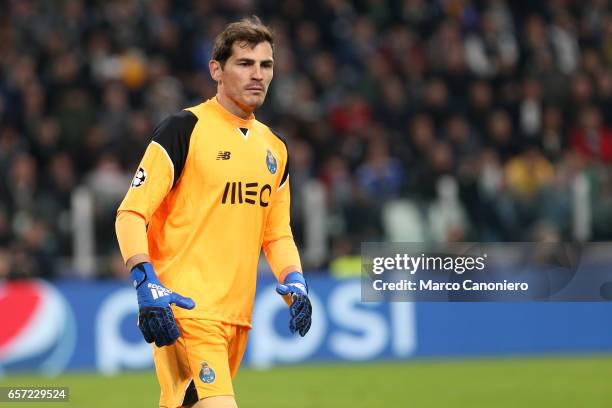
x=255, y=88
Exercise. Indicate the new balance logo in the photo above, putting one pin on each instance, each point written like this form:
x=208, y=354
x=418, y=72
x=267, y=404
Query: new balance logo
x=158, y=291
x=223, y=155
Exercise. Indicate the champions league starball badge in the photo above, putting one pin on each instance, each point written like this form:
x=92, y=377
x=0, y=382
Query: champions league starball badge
x=139, y=178
x=207, y=374
x=270, y=162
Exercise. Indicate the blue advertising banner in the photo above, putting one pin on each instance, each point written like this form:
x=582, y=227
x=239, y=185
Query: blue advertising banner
x=53, y=327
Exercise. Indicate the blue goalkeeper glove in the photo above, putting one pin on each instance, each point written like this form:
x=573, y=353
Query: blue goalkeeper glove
x=155, y=317
x=300, y=309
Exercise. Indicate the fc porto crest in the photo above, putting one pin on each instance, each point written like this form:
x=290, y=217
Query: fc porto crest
x=207, y=374
x=271, y=161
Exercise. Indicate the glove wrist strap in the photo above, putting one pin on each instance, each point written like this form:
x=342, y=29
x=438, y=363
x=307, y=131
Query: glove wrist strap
x=296, y=277
x=139, y=273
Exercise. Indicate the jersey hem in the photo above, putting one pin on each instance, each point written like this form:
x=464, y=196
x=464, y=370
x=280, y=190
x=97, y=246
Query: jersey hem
x=235, y=321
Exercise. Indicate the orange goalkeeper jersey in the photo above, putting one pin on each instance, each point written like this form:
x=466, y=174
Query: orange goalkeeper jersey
x=213, y=189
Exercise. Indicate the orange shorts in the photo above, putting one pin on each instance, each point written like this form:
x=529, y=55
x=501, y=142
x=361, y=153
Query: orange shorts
x=208, y=354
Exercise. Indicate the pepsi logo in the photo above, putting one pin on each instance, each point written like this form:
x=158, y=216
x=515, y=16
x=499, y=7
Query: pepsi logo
x=39, y=324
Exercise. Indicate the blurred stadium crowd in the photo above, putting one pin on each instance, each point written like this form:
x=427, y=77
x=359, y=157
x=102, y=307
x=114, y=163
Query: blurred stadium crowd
x=391, y=105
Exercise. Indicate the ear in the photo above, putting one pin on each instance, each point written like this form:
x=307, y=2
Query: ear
x=215, y=70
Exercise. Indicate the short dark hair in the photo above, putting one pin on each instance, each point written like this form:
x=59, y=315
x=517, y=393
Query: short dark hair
x=249, y=30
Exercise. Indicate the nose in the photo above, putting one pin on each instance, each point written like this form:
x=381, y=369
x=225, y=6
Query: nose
x=257, y=74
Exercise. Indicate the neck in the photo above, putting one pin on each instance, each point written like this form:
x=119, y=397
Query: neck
x=233, y=107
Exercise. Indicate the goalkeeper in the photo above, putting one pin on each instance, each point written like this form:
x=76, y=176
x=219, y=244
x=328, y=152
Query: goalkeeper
x=211, y=190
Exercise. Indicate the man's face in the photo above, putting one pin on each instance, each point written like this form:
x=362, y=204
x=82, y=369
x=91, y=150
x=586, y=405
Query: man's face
x=246, y=75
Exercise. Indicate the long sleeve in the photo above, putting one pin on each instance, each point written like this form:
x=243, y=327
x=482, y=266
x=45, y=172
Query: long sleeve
x=278, y=244
x=131, y=232
x=158, y=171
